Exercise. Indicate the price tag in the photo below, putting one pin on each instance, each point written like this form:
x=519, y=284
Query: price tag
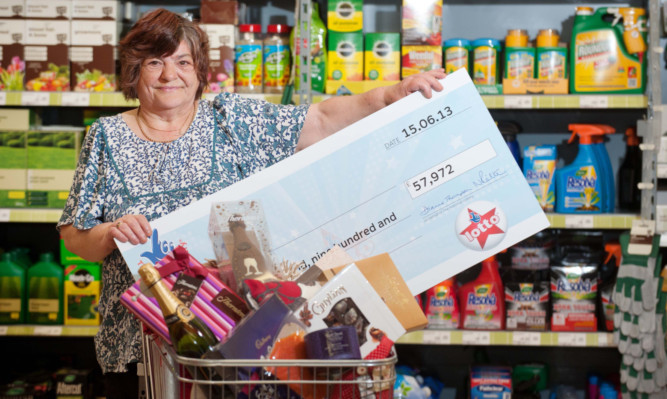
x=4, y=215
x=662, y=170
x=604, y=339
x=4, y=330
x=3, y=98
x=48, y=330
x=571, y=339
x=437, y=337
x=476, y=338
x=579, y=222
x=74, y=99
x=35, y=98
x=526, y=338
x=518, y=102
x=593, y=101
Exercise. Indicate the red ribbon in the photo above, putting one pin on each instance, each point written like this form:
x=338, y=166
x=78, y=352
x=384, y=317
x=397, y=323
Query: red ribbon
x=182, y=262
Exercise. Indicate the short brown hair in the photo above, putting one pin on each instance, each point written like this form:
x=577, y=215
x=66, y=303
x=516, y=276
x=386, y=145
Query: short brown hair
x=156, y=34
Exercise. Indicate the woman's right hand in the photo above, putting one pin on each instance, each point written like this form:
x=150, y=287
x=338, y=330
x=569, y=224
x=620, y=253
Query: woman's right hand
x=132, y=228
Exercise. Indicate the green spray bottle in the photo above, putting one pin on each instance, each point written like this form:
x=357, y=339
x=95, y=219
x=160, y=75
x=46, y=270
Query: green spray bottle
x=580, y=186
x=45, y=291
x=318, y=52
x=12, y=289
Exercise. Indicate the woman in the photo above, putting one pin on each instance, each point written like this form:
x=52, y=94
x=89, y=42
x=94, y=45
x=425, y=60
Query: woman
x=174, y=149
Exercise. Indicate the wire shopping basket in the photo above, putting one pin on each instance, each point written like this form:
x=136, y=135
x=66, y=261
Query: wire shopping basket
x=172, y=376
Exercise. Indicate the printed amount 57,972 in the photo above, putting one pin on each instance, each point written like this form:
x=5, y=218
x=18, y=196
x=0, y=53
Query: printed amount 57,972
x=450, y=168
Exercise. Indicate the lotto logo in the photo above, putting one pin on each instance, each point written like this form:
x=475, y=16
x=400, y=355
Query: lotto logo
x=481, y=225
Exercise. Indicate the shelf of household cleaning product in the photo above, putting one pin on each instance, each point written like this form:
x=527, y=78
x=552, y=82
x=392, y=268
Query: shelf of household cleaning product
x=116, y=99
x=509, y=338
x=47, y=330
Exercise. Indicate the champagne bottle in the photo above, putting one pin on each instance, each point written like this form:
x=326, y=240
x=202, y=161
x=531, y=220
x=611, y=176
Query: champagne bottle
x=189, y=335
x=247, y=259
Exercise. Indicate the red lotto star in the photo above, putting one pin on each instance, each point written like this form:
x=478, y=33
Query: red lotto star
x=482, y=226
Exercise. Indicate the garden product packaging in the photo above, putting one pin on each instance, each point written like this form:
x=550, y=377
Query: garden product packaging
x=442, y=305
x=221, y=57
x=82, y=294
x=382, y=56
x=382, y=274
x=94, y=34
x=13, y=169
x=209, y=303
x=345, y=56
x=349, y=299
x=417, y=59
x=488, y=382
x=12, y=65
x=52, y=156
x=47, y=41
x=422, y=22
x=574, y=289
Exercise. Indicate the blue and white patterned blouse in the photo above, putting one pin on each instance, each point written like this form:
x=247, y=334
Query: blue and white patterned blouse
x=118, y=174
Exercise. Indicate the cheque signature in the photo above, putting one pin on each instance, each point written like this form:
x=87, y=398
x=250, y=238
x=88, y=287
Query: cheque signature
x=483, y=178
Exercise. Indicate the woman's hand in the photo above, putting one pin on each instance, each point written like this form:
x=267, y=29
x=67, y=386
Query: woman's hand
x=132, y=228
x=424, y=82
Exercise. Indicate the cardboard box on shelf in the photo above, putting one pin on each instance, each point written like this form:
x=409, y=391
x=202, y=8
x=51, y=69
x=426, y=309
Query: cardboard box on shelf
x=51, y=157
x=13, y=169
x=345, y=15
x=12, y=9
x=221, y=57
x=422, y=22
x=93, y=65
x=46, y=55
x=95, y=9
x=416, y=59
x=12, y=41
x=82, y=294
x=219, y=12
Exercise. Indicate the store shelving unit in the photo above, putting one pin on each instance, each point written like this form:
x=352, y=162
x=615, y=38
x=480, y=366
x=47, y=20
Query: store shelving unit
x=508, y=338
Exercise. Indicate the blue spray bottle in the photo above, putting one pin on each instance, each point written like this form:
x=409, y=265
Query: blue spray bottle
x=608, y=171
x=580, y=187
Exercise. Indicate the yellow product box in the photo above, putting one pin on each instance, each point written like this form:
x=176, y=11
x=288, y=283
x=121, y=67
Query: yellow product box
x=422, y=22
x=345, y=56
x=13, y=163
x=345, y=15
x=52, y=155
x=416, y=59
x=382, y=56
x=82, y=294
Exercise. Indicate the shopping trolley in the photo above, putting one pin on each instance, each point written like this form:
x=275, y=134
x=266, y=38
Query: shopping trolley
x=172, y=376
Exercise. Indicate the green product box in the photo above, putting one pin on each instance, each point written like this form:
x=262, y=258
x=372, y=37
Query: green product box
x=382, y=56
x=345, y=15
x=346, y=56
x=13, y=164
x=82, y=294
x=52, y=158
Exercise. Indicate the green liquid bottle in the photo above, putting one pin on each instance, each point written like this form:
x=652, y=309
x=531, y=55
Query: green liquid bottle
x=12, y=288
x=189, y=335
x=45, y=291
x=318, y=52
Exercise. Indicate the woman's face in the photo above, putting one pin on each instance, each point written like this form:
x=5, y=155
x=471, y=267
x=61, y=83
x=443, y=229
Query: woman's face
x=170, y=82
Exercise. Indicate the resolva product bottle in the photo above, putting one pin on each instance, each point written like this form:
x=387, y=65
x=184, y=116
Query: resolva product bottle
x=482, y=300
x=45, y=291
x=607, y=51
x=190, y=336
x=12, y=289
x=609, y=197
x=630, y=174
x=442, y=305
x=318, y=52
x=581, y=186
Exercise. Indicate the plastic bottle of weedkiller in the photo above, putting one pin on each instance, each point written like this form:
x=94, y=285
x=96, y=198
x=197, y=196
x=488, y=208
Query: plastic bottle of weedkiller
x=608, y=170
x=45, y=291
x=630, y=174
x=581, y=186
x=482, y=300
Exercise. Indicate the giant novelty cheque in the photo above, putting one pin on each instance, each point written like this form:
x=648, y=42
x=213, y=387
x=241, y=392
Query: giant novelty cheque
x=431, y=182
